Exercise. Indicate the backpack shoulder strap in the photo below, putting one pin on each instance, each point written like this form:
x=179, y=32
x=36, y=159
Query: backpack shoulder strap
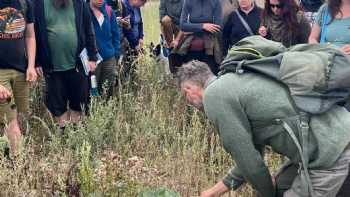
x=109, y=11
x=244, y=23
x=301, y=145
x=324, y=24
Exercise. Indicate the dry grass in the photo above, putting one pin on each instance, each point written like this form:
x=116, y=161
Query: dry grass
x=145, y=137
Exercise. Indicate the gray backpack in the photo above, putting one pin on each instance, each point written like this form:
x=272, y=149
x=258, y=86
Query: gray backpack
x=316, y=75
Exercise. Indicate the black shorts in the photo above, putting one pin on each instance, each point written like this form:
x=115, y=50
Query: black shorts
x=66, y=88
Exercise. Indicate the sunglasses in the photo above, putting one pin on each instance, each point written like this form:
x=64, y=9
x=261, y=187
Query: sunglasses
x=279, y=6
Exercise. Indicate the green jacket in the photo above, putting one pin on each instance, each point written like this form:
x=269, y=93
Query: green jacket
x=239, y=105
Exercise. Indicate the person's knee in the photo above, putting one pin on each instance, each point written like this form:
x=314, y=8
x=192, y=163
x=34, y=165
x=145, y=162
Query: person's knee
x=166, y=20
x=13, y=130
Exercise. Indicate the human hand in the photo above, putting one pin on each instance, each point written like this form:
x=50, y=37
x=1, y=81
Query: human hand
x=174, y=43
x=124, y=22
x=346, y=49
x=212, y=28
x=31, y=74
x=208, y=193
x=263, y=31
x=217, y=190
x=4, y=93
x=92, y=66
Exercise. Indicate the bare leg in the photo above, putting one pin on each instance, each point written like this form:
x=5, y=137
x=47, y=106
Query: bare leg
x=63, y=119
x=14, y=135
x=75, y=116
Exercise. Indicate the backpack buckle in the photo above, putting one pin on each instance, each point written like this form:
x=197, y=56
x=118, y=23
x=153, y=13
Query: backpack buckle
x=278, y=121
x=300, y=167
x=304, y=125
x=239, y=69
x=304, y=120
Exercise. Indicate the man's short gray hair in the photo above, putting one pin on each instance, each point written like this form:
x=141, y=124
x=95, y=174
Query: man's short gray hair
x=194, y=71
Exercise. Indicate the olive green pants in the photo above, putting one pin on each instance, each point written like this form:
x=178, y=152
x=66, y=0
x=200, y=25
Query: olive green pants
x=14, y=81
x=106, y=73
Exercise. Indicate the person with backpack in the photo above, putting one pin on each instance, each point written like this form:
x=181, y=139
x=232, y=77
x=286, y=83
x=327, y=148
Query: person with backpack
x=251, y=111
x=283, y=21
x=242, y=22
x=17, y=61
x=332, y=25
x=108, y=45
x=65, y=32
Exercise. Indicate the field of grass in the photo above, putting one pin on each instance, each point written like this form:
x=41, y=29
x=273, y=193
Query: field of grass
x=146, y=137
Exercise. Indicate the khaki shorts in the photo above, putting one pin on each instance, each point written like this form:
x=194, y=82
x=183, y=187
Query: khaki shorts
x=14, y=81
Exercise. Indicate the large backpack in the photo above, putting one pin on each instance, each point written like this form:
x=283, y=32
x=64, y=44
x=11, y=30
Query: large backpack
x=109, y=11
x=316, y=75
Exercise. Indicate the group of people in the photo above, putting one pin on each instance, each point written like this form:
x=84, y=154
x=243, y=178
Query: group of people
x=62, y=41
x=205, y=31
x=49, y=38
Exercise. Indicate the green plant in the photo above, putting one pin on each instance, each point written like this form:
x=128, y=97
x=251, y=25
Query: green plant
x=85, y=173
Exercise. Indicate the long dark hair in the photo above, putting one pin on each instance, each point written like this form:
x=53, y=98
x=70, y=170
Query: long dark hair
x=334, y=8
x=288, y=13
x=58, y=4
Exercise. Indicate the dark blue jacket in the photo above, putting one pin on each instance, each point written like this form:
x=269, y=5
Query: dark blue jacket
x=196, y=12
x=85, y=34
x=128, y=10
x=107, y=35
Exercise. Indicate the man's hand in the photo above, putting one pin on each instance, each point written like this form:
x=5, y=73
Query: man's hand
x=92, y=66
x=263, y=31
x=346, y=49
x=208, y=193
x=217, y=190
x=212, y=28
x=4, y=93
x=31, y=74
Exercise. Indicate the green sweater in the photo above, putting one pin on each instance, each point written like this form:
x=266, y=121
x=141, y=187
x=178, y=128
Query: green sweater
x=62, y=35
x=239, y=104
